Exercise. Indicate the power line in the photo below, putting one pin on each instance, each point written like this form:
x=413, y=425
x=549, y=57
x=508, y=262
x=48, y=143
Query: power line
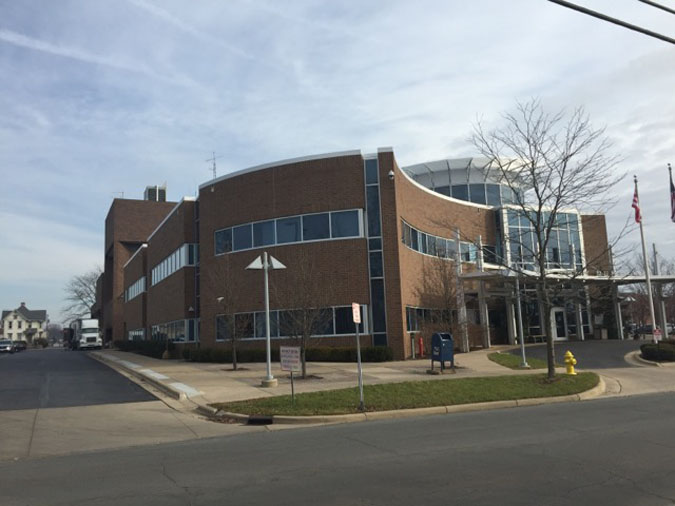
x=610, y=19
x=658, y=6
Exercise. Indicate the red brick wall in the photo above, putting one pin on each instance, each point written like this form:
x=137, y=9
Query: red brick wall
x=303, y=187
x=436, y=215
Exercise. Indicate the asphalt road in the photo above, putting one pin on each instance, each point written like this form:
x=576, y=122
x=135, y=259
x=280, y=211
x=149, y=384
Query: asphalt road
x=55, y=378
x=611, y=451
x=589, y=354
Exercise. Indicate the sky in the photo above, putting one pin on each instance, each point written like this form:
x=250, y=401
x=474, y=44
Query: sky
x=99, y=98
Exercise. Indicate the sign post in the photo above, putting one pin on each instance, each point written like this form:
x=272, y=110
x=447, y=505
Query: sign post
x=289, y=356
x=356, y=317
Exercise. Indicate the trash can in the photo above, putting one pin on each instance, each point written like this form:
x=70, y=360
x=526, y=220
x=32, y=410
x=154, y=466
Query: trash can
x=442, y=349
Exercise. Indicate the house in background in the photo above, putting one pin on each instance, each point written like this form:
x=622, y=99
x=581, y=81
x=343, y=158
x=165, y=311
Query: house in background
x=23, y=324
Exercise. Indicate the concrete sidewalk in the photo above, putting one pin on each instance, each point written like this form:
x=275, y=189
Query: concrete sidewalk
x=206, y=383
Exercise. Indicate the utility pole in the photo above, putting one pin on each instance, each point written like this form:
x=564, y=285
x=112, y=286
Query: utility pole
x=213, y=160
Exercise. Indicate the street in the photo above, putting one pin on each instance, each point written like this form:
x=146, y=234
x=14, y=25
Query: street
x=56, y=402
x=610, y=451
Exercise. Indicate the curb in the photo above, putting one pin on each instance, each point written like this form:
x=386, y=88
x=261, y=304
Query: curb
x=637, y=356
x=596, y=391
x=164, y=388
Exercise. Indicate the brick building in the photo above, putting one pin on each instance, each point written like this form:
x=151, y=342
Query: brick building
x=420, y=248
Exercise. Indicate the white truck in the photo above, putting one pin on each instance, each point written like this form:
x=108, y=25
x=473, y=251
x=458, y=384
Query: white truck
x=86, y=334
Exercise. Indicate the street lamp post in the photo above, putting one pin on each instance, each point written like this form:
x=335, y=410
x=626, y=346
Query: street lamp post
x=265, y=263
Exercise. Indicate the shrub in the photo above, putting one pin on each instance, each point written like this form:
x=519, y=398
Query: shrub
x=153, y=348
x=662, y=352
x=368, y=354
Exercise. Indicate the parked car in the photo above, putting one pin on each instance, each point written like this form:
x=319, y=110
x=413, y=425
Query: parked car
x=6, y=346
x=20, y=345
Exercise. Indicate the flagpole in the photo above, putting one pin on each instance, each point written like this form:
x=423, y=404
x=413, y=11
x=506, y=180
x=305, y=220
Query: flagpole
x=644, y=257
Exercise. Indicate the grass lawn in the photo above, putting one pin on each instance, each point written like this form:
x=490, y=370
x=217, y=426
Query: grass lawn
x=514, y=361
x=416, y=394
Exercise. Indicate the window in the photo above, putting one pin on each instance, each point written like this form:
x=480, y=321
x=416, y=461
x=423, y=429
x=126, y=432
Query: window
x=345, y=223
x=263, y=233
x=10, y=325
x=371, y=171
x=373, y=210
x=241, y=237
x=460, y=191
x=223, y=240
x=376, y=270
x=492, y=191
x=344, y=324
x=19, y=324
x=477, y=193
x=315, y=226
x=243, y=325
x=288, y=230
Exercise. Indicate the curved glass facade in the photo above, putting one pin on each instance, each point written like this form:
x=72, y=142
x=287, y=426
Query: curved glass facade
x=479, y=193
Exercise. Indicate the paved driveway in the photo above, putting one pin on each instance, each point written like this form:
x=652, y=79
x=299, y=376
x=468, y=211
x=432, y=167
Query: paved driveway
x=589, y=354
x=56, y=378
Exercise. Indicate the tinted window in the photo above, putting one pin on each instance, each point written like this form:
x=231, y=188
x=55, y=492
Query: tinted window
x=443, y=190
x=477, y=193
x=460, y=191
x=345, y=224
x=315, y=226
x=263, y=233
x=375, y=244
x=242, y=237
x=376, y=265
x=288, y=230
x=371, y=171
x=492, y=191
x=377, y=298
x=343, y=321
x=243, y=325
x=373, y=208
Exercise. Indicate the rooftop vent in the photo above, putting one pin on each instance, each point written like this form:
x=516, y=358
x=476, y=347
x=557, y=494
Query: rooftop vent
x=155, y=193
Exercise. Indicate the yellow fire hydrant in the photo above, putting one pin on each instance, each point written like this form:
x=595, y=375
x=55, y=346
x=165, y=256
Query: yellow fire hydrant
x=570, y=362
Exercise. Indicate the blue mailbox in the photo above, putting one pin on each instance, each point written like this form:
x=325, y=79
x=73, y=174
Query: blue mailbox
x=442, y=349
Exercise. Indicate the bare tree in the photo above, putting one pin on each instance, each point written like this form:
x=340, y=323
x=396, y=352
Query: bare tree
x=308, y=313
x=551, y=162
x=229, y=325
x=80, y=294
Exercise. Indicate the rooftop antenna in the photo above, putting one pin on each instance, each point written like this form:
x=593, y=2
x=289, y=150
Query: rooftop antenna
x=213, y=159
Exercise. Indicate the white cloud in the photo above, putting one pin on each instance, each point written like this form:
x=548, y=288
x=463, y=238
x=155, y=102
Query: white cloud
x=99, y=98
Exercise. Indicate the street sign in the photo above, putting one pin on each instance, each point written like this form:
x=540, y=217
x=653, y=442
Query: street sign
x=356, y=312
x=657, y=334
x=290, y=358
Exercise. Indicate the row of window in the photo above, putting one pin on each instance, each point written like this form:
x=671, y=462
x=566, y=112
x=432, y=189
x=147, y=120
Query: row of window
x=330, y=321
x=178, y=331
x=135, y=290
x=563, y=249
x=479, y=193
x=292, y=229
x=186, y=254
x=428, y=244
x=136, y=335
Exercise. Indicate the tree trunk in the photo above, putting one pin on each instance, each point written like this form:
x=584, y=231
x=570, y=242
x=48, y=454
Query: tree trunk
x=234, y=354
x=303, y=355
x=546, y=321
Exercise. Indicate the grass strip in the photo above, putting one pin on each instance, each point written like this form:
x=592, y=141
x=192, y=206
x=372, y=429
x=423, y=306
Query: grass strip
x=416, y=394
x=514, y=361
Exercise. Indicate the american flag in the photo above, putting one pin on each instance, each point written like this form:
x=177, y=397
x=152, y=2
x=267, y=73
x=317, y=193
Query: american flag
x=636, y=206
x=672, y=195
